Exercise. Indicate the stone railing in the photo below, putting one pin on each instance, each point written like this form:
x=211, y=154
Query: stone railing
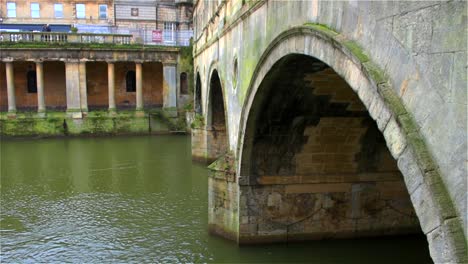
x=60, y=37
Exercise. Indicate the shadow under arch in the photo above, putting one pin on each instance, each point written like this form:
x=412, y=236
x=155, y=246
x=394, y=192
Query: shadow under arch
x=198, y=95
x=216, y=118
x=431, y=201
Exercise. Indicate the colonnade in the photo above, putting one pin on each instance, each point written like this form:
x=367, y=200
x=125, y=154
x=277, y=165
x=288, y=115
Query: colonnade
x=76, y=92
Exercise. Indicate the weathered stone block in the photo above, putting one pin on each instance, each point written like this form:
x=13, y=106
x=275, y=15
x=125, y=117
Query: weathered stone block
x=395, y=138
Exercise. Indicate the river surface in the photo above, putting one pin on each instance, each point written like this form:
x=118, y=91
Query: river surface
x=138, y=199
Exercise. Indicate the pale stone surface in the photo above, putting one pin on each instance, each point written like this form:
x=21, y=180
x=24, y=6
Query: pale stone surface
x=170, y=86
x=396, y=140
x=83, y=87
x=139, y=86
x=419, y=46
x=72, y=74
x=111, y=84
x=10, y=87
x=40, y=87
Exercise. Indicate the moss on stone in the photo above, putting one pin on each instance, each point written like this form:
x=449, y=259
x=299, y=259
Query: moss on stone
x=186, y=65
x=356, y=50
x=322, y=28
x=375, y=72
x=95, y=123
x=392, y=100
x=407, y=123
x=423, y=156
x=198, y=121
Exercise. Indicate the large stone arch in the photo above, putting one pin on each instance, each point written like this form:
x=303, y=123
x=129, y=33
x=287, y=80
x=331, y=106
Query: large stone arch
x=433, y=205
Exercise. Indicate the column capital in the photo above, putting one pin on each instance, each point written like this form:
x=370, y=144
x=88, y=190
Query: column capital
x=71, y=60
x=138, y=62
x=169, y=63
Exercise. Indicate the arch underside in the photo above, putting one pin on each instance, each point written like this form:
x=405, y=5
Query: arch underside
x=262, y=180
x=318, y=166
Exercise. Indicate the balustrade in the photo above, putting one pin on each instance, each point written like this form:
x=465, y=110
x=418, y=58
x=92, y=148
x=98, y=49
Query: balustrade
x=59, y=37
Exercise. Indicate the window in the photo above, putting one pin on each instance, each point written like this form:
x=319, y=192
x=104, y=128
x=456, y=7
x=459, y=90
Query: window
x=58, y=10
x=183, y=83
x=169, y=34
x=35, y=10
x=134, y=11
x=11, y=9
x=32, y=82
x=130, y=80
x=80, y=11
x=102, y=11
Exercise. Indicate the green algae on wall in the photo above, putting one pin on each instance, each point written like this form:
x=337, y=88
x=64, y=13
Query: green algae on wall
x=95, y=123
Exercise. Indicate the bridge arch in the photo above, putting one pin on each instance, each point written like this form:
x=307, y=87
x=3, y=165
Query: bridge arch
x=198, y=95
x=433, y=206
x=216, y=118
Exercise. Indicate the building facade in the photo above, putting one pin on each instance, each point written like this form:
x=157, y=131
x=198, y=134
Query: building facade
x=88, y=12
x=159, y=22
x=166, y=22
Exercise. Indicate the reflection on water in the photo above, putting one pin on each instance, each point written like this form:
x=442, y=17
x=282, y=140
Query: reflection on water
x=137, y=199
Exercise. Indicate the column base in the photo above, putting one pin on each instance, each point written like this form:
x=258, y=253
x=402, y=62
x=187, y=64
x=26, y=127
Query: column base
x=11, y=114
x=112, y=112
x=139, y=113
x=75, y=114
x=41, y=114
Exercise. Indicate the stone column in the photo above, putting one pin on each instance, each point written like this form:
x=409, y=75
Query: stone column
x=170, y=85
x=139, y=86
x=83, y=88
x=40, y=87
x=111, y=85
x=10, y=78
x=72, y=77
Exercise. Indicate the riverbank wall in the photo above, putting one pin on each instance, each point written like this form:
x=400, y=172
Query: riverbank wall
x=95, y=123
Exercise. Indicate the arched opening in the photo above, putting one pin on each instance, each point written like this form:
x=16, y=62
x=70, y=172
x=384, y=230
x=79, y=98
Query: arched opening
x=130, y=81
x=216, y=123
x=198, y=96
x=316, y=164
x=183, y=83
x=32, y=81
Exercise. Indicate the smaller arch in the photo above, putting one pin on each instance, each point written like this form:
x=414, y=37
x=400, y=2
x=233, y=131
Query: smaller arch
x=31, y=81
x=130, y=81
x=216, y=121
x=216, y=111
x=198, y=95
x=183, y=83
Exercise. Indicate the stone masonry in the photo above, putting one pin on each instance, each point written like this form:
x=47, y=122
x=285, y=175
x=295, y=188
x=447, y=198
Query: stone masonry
x=405, y=61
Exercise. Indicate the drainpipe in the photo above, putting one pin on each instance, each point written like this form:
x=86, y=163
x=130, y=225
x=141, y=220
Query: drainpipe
x=157, y=10
x=115, y=17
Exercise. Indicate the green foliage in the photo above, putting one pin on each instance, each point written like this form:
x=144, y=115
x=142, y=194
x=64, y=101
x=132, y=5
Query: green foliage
x=188, y=107
x=198, y=121
x=186, y=65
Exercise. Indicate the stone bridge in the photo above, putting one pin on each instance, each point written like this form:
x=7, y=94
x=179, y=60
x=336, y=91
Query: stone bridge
x=333, y=120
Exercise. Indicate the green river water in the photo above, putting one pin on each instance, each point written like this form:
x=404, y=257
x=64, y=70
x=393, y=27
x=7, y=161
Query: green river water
x=138, y=199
